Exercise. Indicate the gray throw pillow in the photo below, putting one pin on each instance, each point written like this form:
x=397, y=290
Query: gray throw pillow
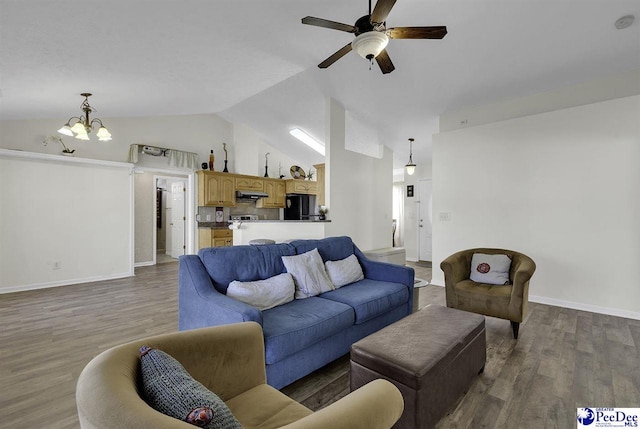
x=171, y=390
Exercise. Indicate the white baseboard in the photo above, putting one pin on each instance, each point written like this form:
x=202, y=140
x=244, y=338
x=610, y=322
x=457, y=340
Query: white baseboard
x=585, y=307
x=569, y=304
x=143, y=264
x=45, y=285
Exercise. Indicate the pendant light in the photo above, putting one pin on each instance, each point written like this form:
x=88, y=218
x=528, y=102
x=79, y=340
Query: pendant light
x=411, y=167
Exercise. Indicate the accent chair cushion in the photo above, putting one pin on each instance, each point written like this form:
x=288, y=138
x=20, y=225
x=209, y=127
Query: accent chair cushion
x=309, y=274
x=344, y=271
x=171, y=390
x=264, y=294
x=490, y=269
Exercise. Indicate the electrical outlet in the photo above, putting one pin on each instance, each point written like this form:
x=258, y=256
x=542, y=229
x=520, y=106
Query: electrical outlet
x=445, y=216
x=208, y=217
x=56, y=265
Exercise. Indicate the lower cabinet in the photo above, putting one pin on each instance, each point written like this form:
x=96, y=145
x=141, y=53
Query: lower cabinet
x=208, y=237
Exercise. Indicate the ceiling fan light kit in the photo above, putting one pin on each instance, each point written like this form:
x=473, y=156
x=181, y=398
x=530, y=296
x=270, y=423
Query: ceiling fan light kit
x=372, y=36
x=84, y=125
x=369, y=45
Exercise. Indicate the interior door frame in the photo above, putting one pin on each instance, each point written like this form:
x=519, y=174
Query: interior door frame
x=189, y=208
x=189, y=177
x=418, y=221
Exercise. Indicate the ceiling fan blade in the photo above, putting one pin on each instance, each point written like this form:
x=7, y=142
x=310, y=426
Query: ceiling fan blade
x=319, y=22
x=335, y=57
x=381, y=11
x=383, y=60
x=417, y=32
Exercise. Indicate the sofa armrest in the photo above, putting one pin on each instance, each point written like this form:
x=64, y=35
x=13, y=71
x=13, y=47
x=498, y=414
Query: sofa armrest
x=228, y=360
x=522, y=273
x=201, y=305
x=376, y=405
x=456, y=268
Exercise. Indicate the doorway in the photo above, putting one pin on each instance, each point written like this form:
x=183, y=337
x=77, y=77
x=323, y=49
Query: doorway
x=425, y=220
x=170, y=232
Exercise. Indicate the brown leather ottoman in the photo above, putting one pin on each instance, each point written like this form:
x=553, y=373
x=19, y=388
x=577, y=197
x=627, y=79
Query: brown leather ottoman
x=432, y=356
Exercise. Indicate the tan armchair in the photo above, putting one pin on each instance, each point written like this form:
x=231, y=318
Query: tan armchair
x=228, y=360
x=502, y=301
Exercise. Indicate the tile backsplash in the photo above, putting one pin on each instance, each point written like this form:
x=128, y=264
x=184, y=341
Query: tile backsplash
x=241, y=208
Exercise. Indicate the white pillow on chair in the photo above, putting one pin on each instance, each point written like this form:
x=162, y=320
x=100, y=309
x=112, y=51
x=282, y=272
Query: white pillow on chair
x=490, y=269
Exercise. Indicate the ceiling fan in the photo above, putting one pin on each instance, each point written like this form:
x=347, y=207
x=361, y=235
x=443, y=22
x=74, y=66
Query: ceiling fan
x=372, y=35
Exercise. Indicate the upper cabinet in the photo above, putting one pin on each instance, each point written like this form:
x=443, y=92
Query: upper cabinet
x=249, y=183
x=297, y=186
x=276, y=190
x=216, y=189
x=320, y=180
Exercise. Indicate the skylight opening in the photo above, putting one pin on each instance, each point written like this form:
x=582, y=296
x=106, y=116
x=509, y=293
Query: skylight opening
x=308, y=140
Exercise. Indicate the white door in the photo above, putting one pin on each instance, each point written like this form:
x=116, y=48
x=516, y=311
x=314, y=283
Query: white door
x=177, y=219
x=425, y=220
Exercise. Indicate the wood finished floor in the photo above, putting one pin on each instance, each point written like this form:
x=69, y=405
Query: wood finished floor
x=564, y=358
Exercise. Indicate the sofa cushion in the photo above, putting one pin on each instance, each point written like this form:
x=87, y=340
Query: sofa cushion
x=331, y=248
x=308, y=273
x=274, y=410
x=264, y=294
x=243, y=263
x=293, y=327
x=344, y=271
x=370, y=298
x=171, y=390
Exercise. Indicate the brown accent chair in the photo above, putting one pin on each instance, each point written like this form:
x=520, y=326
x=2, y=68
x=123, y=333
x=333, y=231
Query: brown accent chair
x=503, y=301
x=228, y=360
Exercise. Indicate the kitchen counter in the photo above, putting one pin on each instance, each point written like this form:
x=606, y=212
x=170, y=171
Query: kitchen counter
x=214, y=225
x=277, y=230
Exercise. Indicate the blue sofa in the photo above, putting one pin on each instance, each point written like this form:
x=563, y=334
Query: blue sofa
x=304, y=334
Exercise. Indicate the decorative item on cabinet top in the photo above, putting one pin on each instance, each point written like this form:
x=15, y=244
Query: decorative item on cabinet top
x=177, y=158
x=297, y=172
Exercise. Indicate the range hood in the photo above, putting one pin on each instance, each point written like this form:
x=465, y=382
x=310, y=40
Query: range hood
x=250, y=195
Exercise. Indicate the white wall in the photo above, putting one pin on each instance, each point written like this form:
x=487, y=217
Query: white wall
x=562, y=187
x=63, y=221
x=250, y=155
x=191, y=133
x=358, y=188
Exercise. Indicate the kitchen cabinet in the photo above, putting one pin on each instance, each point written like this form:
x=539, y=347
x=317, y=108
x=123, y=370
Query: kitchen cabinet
x=249, y=183
x=216, y=189
x=208, y=237
x=320, y=181
x=276, y=189
x=297, y=186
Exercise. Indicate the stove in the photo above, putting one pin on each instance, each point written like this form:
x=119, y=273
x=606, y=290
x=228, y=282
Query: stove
x=243, y=217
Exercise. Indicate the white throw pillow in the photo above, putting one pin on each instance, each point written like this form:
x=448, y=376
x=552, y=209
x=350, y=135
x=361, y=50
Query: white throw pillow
x=490, y=269
x=344, y=271
x=264, y=294
x=308, y=273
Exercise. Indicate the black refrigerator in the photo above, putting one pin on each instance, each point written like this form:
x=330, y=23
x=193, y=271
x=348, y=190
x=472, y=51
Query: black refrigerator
x=299, y=207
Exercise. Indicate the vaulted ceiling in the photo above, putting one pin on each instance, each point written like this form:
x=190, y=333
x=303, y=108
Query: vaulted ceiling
x=253, y=62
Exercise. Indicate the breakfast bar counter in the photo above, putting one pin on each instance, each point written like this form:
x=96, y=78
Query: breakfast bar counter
x=277, y=230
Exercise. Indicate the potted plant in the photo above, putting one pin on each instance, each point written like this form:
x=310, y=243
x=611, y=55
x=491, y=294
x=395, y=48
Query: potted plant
x=65, y=150
x=322, y=211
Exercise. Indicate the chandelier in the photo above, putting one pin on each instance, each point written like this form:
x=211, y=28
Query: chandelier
x=83, y=125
